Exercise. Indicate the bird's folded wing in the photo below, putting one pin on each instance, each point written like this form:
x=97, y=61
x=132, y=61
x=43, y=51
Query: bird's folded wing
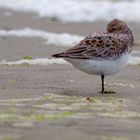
x=99, y=45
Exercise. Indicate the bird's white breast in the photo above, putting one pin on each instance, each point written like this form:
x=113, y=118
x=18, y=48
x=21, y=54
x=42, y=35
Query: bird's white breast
x=100, y=66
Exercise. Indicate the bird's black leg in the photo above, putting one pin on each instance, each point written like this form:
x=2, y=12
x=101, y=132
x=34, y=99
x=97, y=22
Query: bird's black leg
x=103, y=91
x=102, y=78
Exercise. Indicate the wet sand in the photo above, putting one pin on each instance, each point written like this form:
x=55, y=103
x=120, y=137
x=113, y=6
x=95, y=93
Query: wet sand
x=50, y=102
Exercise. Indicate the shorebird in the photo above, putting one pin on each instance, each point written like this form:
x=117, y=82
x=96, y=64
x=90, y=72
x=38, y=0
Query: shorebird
x=103, y=53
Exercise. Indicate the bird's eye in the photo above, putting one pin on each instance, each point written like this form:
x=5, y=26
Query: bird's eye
x=113, y=28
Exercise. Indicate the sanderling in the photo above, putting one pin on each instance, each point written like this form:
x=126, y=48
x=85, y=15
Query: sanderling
x=102, y=53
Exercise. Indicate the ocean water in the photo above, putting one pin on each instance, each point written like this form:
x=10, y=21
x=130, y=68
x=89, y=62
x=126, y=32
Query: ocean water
x=78, y=10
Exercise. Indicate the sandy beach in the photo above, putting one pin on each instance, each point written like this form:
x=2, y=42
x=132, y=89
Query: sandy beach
x=58, y=102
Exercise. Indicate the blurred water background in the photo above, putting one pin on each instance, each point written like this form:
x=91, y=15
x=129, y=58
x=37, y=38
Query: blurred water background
x=78, y=10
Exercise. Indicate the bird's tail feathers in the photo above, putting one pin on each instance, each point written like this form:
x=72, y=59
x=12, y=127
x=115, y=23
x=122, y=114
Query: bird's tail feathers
x=59, y=55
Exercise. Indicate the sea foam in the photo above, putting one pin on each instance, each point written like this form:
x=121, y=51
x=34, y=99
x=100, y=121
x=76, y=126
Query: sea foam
x=63, y=39
x=47, y=61
x=78, y=10
x=37, y=61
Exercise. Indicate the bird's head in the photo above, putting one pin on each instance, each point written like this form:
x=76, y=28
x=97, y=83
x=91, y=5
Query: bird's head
x=117, y=26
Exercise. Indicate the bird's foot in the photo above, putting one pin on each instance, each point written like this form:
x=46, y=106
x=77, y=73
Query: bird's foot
x=107, y=92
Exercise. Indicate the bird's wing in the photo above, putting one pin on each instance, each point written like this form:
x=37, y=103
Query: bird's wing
x=99, y=45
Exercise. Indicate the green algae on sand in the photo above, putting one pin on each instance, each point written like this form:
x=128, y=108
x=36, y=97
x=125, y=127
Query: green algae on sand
x=54, y=107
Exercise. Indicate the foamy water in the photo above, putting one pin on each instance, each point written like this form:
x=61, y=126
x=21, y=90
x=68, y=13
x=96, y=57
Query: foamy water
x=37, y=61
x=78, y=10
x=120, y=84
x=134, y=60
x=64, y=39
x=46, y=61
